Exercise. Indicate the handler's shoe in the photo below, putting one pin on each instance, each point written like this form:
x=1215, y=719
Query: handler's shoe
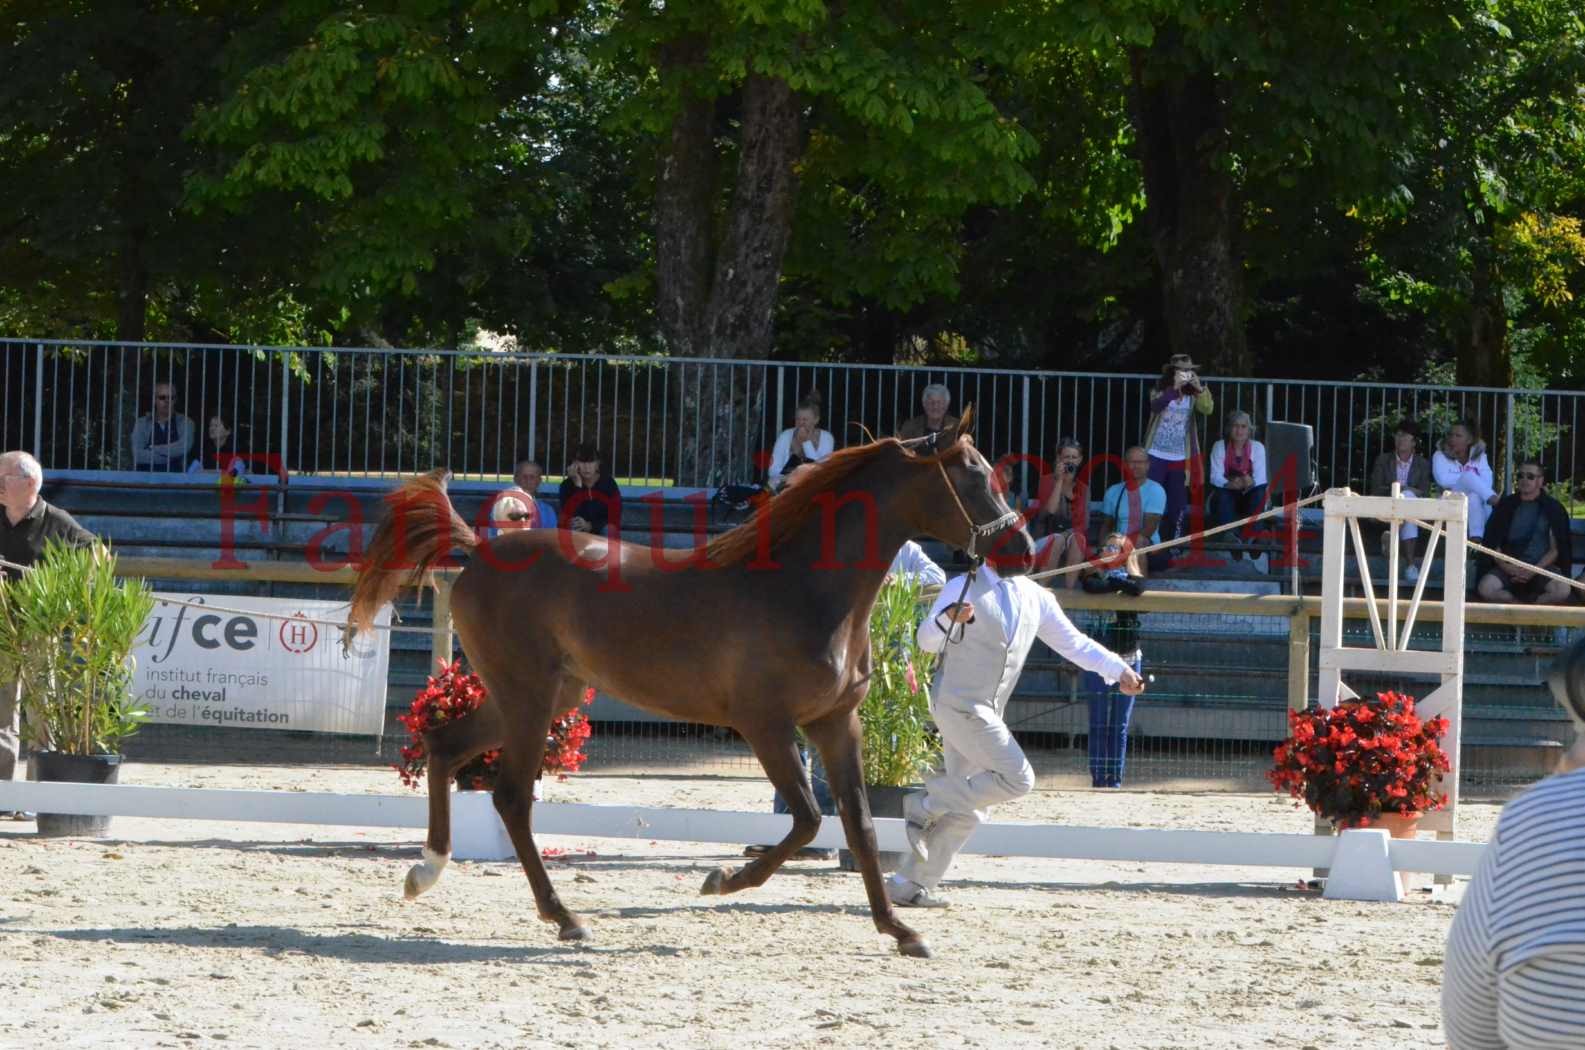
x=906, y=894
x=916, y=823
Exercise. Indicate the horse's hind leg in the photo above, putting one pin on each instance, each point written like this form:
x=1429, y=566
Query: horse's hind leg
x=527, y=727
x=450, y=747
x=839, y=737
x=777, y=750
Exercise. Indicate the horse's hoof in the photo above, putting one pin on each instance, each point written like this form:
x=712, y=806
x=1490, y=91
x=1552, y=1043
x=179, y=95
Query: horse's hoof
x=715, y=883
x=915, y=949
x=575, y=932
x=425, y=873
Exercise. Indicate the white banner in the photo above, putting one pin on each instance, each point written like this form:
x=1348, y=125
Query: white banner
x=276, y=671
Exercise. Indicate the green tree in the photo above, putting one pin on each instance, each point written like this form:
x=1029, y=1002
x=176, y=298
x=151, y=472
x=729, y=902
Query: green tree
x=1482, y=233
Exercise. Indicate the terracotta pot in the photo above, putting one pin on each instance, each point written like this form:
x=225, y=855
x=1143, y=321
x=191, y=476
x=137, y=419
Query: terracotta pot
x=1398, y=825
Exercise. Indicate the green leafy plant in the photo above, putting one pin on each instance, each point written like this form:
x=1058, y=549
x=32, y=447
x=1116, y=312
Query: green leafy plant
x=67, y=629
x=900, y=741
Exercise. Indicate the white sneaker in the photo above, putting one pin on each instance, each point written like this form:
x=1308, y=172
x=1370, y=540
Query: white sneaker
x=906, y=894
x=916, y=823
x=1413, y=573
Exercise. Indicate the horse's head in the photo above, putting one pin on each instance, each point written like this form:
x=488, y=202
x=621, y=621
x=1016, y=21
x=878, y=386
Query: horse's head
x=973, y=513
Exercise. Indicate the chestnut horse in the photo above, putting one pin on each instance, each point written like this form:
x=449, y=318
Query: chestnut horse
x=765, y=630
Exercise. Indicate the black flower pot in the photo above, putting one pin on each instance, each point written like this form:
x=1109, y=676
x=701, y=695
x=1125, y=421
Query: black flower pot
x=885, y=801
x=59, y=767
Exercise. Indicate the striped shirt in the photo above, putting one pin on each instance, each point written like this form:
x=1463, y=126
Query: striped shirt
x=1514, y=978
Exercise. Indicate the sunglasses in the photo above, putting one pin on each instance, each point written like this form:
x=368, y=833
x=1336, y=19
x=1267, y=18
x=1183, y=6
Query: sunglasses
x=1526, y=475
x=163, y=398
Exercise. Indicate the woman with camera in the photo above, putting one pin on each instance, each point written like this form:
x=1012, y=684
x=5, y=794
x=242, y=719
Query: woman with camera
x=1238, y=474
x=1061, y=503
x=1171, y=440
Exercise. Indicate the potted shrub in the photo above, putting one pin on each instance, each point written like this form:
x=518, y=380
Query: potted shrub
x=1364, y=763
x=900, y=739
x=453, y=693
x=67, y=629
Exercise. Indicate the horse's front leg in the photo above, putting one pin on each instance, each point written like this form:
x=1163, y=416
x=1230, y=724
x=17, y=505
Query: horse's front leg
x=777, y=749
x=839, y=737
x=450, y=746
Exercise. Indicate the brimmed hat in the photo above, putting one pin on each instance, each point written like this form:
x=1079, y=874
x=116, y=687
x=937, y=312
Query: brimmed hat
x=1567, y=680
x=1180, y=361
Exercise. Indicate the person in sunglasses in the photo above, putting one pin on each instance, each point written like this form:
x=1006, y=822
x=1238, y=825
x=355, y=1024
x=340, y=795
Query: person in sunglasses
x=162, y=439
x=1533, y=527
x=1515, y=958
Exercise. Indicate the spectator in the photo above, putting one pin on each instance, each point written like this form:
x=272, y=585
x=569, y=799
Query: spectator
x=1533, y=527
x=26, y=525
x=1515, y=958
x=1460, y=466
x=803, y=442
x=1134, y=505
x=219, y=453
x=1115, y=568
x=935, y=399
x=590, y=501
x=1172, y=442
x=993, y=627
x=1112, y=709
x=1238, y=475
x=1061, y=510
x=162, y=439
x=911, y=560
x=1012, y=491
x=1412, y=473
x=520, y=507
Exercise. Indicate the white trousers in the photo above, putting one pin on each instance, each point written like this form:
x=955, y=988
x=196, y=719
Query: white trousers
x=981, y=765
x=1479, y=511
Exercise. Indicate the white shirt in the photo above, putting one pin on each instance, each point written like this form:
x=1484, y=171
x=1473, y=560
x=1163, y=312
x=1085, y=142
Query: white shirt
x=1473, y=478
x=812, y=452
x=912, y=561
x=1019, y=596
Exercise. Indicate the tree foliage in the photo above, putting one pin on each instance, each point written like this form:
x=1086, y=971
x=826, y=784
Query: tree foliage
x=1321, y=189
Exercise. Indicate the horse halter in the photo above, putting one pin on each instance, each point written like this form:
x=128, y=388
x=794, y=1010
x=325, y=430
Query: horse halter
x=988, y=531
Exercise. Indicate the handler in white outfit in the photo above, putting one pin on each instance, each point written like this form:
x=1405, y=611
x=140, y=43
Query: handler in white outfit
x=1000, y=620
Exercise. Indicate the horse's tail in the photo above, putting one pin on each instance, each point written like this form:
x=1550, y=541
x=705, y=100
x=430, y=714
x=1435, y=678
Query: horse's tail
x=419, y=528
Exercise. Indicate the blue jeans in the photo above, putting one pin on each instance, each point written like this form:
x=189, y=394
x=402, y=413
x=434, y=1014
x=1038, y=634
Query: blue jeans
x=1174, y=477
x=1110, y=712
x=1230, y=505
x=817, y=776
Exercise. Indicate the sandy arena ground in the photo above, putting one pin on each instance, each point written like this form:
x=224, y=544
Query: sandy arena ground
x=176, y=934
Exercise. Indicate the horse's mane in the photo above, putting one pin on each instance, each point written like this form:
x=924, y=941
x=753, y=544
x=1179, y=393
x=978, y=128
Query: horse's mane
x=778, y=519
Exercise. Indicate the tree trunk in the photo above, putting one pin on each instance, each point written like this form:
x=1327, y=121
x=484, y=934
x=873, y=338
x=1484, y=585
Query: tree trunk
x=1480, y=329
x=717, y=300
x=132, y=288
x=748, y=264
x=1191, y=207
x=685, y=212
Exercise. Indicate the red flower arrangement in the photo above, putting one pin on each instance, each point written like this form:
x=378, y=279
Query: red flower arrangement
x=1362, y=758
x=454, y=693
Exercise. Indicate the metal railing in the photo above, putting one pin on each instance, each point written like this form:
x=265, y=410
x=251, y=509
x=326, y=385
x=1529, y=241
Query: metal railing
x=666, y=421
